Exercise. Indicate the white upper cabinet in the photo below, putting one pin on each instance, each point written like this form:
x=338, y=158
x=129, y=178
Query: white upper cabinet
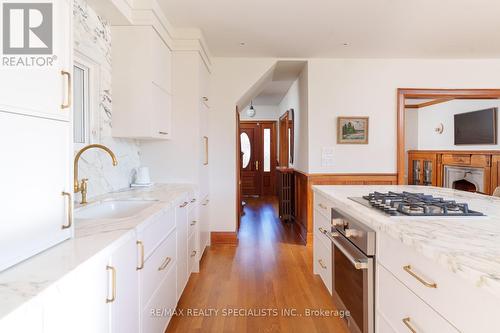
x=142, y=83
x=36, y=169
x=35, y=79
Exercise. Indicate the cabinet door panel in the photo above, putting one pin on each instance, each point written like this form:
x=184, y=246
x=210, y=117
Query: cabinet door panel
x=41, y=90
x=35, y=170
x=162, y=112
x=125, y=307
x=182, y=247
x=77, y=304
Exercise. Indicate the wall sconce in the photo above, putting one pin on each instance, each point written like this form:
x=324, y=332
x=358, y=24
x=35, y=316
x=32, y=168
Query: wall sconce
x=439, y=129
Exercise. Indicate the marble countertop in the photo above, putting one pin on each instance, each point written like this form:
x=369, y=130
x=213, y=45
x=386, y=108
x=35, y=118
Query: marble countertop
x=27, y=280
x=467, y=246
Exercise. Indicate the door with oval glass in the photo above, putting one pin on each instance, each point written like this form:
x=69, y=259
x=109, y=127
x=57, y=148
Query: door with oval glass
x=258, y=158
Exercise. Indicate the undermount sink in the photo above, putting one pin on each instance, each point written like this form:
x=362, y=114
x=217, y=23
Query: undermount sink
x=112, y=209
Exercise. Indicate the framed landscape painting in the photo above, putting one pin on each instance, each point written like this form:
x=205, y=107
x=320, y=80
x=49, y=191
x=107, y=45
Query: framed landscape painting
x=352, y=130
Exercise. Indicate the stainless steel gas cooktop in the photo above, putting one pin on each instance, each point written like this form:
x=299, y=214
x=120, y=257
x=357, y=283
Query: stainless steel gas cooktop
x=414, y=204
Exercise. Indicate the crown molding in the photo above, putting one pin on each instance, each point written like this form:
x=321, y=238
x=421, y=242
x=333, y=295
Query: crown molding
x=148, y=12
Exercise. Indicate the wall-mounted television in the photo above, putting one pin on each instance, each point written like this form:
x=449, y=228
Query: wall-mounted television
x=476, y=128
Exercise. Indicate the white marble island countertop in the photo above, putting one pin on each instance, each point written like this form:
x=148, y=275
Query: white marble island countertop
x=30, y=278
x=467, y=246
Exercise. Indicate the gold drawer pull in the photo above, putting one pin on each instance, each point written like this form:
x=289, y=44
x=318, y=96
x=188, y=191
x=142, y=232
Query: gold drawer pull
x=165, y=264
x=163, y=133
x=407, y=268
x=193, y=200
x=113, y=286
x=69, y=93
x=206, y=202
x=184, y=204
x=407, y=323
x=193, y=253
x=321, y=206
x=140, y=246
x=70, y=210
x=322, y=264
x=193, y=223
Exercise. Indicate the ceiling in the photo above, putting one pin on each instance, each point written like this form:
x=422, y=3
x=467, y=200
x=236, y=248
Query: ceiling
x=273, y=90
x=320, y=28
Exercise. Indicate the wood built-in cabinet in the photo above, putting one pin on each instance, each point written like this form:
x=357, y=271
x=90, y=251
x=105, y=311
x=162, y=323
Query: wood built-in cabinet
x=427, y=167
x=142, y=83
x=36, y=146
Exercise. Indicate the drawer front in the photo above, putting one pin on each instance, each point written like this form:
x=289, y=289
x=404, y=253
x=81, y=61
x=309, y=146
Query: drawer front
x=322, y=255
x=382, y=326
x=152, y=235
x=456, y=159
x=192, y=253
x=450, y=291
x=156, y=267
x=322, y=225
x=404, y=311
x=193, y=220
x=156, y=315
x=322, y=205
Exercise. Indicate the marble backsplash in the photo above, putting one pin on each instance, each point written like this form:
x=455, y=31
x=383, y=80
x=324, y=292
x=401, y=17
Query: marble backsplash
x=92, y=38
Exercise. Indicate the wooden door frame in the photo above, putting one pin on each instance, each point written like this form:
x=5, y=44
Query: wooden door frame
x=415, y=93
x=283, y=149
x=238, y=171
x=274, y=149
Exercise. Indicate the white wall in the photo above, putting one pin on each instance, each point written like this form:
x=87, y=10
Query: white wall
x=296, y=99
x=430, y=117
x=367, y=87
x=262, y=112
x=231, y=79
x=92, y=37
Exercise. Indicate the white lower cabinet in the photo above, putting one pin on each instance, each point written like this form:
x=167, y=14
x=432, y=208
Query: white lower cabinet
x=204, y=227
x=123, y=296
x=78, y=301
x=323, y=262
x=131, y=287
x=157, y=313
x=181, y=216
x=405, y=311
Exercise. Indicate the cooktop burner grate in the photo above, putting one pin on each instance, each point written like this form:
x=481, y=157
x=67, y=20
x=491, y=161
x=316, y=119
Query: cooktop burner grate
x=415, y=204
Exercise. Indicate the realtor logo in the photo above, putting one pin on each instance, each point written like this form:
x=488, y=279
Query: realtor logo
x=27, y=28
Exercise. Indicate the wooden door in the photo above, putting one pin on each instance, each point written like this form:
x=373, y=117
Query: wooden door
x=251, y=160
x=258, y=158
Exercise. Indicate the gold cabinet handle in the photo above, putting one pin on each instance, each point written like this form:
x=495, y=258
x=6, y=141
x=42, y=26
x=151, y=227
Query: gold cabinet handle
x=113, y=284
x=165, y=264
x=140, y=246
x=407, y=323
x=193, y=200
x=321, y=206
x=70, y=210
x=257, y=165
x=193, y=223
x=206, y=202
x=69, y=91
x=321, y=263
x=408, y=269
x=163, y=133
x=193, y=253
x=184, y=204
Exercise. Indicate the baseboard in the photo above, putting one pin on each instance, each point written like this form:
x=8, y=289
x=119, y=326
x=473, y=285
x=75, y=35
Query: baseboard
x=228, y=238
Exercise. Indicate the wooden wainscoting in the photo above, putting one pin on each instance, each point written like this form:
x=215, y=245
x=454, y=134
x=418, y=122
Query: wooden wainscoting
x=304, y=205
x=217, y=237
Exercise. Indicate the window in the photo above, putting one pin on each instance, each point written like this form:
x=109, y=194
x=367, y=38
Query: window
x=81, y=104
x=267, y=149
x=86, y=74
x=246, y=149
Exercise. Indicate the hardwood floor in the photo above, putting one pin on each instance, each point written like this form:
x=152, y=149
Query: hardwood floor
x=268, y=272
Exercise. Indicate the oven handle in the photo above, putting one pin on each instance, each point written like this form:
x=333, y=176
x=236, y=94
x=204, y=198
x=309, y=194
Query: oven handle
x=356, y=263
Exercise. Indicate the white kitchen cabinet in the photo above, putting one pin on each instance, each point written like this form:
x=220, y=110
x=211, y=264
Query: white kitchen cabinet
x=204, y=225
x=26, y=319
x=123, y=295
x=181, y=221
x=322, y=245
x=42, y=90
x=36, y=169
x=142, y=87
x=78, y=301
